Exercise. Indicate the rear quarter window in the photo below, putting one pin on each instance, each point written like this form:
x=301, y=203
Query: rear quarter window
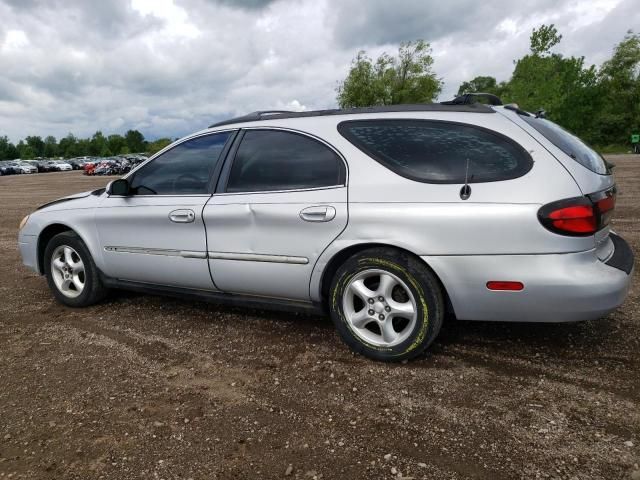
x=569, y=144
x=435, y=151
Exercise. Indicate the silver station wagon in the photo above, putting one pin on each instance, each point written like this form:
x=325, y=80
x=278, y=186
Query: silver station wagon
x=390, y=219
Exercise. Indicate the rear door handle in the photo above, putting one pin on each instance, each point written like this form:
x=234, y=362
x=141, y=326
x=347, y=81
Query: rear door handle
x=182, y=216
x=318, y=213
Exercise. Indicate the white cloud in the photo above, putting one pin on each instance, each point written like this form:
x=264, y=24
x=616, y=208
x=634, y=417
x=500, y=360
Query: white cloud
x=15, y=40
x=175, y=19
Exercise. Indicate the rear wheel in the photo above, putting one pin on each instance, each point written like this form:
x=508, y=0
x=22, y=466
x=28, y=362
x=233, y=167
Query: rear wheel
x=71, y=273
x=386, y=304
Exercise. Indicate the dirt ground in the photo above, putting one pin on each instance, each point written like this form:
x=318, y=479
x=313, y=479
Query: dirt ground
x=149, y=387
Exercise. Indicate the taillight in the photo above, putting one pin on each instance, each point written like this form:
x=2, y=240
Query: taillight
x=605, y=202
x=579, y=216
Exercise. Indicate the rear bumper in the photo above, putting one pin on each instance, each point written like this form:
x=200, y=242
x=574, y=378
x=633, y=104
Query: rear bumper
x=622, y=257
x=557, y=288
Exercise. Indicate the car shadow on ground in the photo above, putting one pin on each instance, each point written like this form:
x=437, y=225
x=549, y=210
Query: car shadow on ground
x=525, y=339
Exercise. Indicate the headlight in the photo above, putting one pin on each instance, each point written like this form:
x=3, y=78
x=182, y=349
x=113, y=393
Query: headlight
x=23, y=222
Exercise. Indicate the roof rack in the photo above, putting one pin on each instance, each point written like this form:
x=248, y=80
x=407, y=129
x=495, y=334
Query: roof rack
x=470, y=107
x=472, y=98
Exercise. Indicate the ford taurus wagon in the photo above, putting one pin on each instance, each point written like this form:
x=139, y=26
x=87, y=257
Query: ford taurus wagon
x=387, y=218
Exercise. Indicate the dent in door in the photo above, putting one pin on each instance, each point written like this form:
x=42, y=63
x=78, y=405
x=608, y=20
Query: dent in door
x=267, y=249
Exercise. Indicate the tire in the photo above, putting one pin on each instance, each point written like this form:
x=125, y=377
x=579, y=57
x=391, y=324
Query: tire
x=79, y=270
x=394, y=332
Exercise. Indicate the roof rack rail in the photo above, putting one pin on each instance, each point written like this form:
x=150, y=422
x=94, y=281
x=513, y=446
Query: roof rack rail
x=423, y=107
x=471, y=98
x=253, y=116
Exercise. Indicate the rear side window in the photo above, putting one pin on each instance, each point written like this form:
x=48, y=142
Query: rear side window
x=184, y=170
x=271, y=160
x=569, y=144
x=435, y=151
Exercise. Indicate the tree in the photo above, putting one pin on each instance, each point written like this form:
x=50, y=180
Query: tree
x=116, y=143
x=406, y=78
x=568, y=90
x=620, y=89
x=25, y=151
x=97, y=144
x=484, y=85
x=544, y=39
x=135, y=141
x=36, y=146
x=8, y=150
x=105, y=151
x=69, y=147
x=50, y=147
x=156, y=146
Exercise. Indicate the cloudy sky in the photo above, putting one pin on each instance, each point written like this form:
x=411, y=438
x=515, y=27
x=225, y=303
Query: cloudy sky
x=170, y=67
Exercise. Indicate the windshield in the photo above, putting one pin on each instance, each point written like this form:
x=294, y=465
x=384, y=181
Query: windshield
x=569, y=144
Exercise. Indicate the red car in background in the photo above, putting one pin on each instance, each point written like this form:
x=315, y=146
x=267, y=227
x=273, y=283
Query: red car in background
x=89, y=168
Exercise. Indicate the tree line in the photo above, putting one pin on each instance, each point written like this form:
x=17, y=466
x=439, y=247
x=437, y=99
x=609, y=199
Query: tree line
x=600, y=105
x=70, y=146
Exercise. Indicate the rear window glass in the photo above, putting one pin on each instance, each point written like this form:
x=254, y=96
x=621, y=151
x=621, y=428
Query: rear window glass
x=569, y=144
x=435, y=151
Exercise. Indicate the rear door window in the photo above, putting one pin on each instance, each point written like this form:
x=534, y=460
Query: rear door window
x=272, y=160
x=569, y=144
x=434, y=151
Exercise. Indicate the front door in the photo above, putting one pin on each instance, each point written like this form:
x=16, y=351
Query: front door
x=283, y=200
x=157, y=235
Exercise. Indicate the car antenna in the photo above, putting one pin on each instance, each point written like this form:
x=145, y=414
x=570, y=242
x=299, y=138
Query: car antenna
x=465, y=191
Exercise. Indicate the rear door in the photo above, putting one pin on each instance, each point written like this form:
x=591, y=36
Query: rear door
x=282, y=200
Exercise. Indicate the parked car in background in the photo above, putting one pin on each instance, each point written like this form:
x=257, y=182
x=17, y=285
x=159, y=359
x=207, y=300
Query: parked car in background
x=22, y=166
x=41, y=165
x=388, y=218
x=6, y=169
x=50, y=166
x=79, y=162
x=110, y=166
x=76, y=163
x=60, y=165
x=89, y=167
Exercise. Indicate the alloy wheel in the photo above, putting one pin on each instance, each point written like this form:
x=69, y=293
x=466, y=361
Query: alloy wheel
x=379, y=307
x=67, y=270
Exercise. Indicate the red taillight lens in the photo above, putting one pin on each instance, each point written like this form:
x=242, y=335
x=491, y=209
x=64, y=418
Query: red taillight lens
x=579, y=216
x=576, y=219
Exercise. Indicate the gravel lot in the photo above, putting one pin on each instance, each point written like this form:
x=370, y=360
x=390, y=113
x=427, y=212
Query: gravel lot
x=150, y=387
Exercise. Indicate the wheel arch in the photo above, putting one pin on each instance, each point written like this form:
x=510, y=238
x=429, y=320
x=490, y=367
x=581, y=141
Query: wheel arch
x=342, y=255
x=45, y=237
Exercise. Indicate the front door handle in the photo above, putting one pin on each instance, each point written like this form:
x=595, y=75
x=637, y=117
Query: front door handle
x=182, y=216
x=318, y=213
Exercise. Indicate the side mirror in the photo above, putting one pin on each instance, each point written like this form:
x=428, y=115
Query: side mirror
x=119, y=187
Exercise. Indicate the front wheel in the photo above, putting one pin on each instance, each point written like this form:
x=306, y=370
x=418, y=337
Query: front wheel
x=71, y=273
x=386, y=304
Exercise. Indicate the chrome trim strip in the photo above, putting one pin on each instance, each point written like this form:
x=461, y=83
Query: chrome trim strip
x=266, y=192
x=158, y=251
x=258, y=257
x=193, y=254
x=246, y=257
